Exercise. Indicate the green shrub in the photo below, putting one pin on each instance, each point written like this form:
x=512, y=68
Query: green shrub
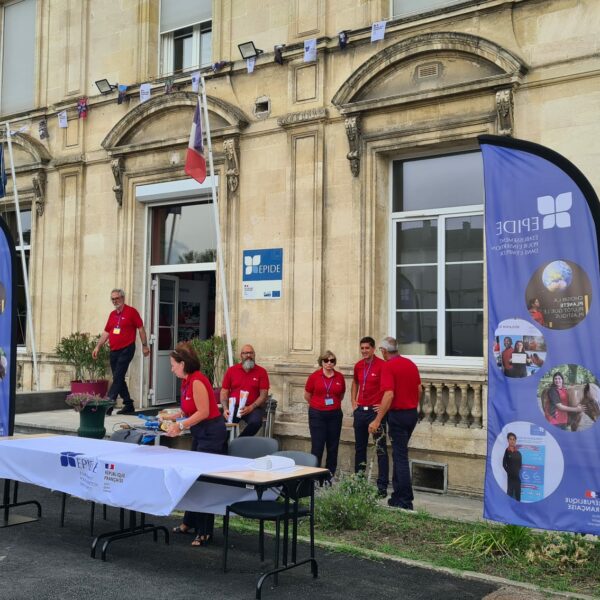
x=347, y=505
x=212, y=354
x=494, y=541
x=76, y=350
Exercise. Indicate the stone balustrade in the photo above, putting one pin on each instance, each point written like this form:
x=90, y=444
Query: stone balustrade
x=453, y=403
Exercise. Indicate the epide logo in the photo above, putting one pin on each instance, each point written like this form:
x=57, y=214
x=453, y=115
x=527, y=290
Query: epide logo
x=555, y=210
x=76, y=459
x=251, y=264
x=67, y=459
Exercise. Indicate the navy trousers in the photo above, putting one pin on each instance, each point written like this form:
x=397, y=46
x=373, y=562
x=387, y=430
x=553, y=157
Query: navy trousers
x=362, y=420
x=513, y=488
x=253, y=420
x=401, y=424
x=207, y=436
x=325, y=428
x=119, y=363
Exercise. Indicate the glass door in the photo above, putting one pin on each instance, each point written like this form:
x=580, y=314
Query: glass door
x=166, y=299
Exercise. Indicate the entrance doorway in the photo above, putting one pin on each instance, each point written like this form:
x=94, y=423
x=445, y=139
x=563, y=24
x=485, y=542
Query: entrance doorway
x=183, y=308
x=183, y=285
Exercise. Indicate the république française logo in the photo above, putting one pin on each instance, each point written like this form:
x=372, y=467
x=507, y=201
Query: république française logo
x=553, y=210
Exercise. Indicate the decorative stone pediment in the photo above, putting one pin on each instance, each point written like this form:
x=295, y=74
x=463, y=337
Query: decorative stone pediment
x=166, y=120
x=29, y=154
x=426, y=66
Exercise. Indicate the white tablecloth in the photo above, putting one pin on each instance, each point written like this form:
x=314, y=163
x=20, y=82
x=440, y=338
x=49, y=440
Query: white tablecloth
x=149, y=479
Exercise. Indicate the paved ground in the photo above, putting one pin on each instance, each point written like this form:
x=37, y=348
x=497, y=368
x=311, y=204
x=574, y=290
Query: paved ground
x=42, y=561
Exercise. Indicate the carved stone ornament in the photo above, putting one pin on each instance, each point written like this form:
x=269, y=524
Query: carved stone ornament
x=302, y=117
x=504, y=110
x=39, y=189
x=233, y=172
x=118, y=166
x=353, y=133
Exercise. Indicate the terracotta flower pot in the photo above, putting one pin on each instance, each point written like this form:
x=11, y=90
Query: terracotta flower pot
x=97, y=388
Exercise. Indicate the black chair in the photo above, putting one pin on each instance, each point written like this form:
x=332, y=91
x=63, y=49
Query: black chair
x=252, y=447
x=276, y=510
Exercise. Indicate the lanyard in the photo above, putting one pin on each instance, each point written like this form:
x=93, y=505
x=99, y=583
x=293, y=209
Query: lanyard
x=327, y=387
x=365, y=375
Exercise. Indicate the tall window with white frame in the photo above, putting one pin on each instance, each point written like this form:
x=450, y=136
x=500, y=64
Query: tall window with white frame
x=185, y=35
x=18, y=55
x=407, y=8
x=437, y=258
x=19, y=288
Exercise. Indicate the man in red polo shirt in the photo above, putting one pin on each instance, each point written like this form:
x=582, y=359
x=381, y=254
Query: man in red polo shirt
x=401, y=387
x=246, y=376
x=119, y=331
x=366, y=400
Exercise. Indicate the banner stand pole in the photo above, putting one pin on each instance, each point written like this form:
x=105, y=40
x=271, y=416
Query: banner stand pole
x=217, y=226
x=36, y=376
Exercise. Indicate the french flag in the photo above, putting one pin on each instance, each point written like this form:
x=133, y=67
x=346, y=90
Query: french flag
x=195, y=163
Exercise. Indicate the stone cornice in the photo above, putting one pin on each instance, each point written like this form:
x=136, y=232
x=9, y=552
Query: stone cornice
x=302, y=117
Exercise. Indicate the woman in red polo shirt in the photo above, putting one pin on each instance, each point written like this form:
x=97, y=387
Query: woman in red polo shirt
x=324, y=392
x=201, y=415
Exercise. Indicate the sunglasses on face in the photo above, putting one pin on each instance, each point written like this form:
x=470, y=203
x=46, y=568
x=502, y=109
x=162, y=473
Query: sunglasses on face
x=329, y=360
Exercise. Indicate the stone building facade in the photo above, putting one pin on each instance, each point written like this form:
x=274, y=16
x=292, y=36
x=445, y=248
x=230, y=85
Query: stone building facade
x=362, y=166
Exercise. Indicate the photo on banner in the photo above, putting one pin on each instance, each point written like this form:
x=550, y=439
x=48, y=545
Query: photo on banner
x=519, y=348
x=569, y=397
x=542, y=219
x=560, y=294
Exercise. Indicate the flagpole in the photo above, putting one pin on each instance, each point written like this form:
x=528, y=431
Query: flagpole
x=220, y=262
x=36, y=375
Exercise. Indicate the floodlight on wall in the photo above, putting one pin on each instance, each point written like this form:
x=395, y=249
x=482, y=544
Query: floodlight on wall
x=249, y=50
x=104, y=87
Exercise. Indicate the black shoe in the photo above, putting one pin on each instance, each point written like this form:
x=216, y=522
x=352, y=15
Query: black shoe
x=109, y=411
x=126, y=410
x=382, y=493
x=398, y=505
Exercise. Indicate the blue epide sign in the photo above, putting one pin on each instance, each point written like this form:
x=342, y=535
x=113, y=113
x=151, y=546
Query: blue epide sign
x=262, y=274
x=7, y=331
x=541, y=227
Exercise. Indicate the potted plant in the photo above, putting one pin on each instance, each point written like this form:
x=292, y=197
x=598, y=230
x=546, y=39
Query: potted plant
x=90, y=375
x=92, y=410
x=212, y=354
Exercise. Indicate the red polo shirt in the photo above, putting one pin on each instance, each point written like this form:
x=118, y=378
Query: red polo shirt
x=320, y=387
x=367, y=376
x=253, y=381
x=188, y=406
x=121, y=327
x=401, y=376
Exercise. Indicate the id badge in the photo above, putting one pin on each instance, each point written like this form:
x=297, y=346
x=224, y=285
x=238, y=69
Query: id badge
x=328, y=401
x=117, y=330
